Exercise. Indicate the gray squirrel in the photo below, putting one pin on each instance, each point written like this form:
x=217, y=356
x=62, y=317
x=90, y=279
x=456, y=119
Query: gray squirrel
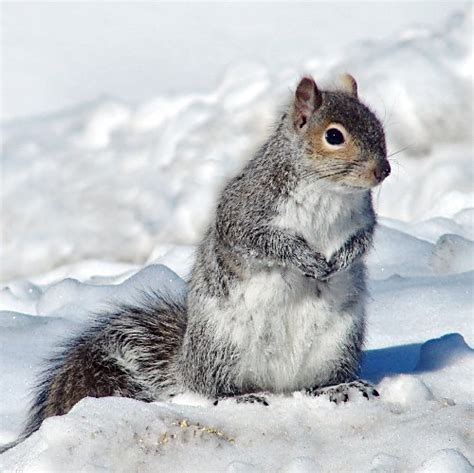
x=275, y=302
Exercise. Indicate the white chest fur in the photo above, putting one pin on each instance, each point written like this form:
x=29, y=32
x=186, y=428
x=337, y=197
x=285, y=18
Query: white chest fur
x=290, y=330
x=289, y=334
x=324, y=218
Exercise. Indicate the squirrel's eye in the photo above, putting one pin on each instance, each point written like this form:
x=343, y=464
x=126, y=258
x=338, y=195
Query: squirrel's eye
x=334, y=136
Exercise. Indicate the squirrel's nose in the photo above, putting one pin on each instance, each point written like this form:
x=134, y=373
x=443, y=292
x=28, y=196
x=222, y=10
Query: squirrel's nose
x=382, y=170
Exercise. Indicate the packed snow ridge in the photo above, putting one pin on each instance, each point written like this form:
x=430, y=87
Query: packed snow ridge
x=106, y=201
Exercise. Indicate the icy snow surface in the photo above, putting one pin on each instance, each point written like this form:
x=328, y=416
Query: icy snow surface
x=104, y=201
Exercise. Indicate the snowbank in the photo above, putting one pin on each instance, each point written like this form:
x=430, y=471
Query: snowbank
x=292, y=435
x=107, y=180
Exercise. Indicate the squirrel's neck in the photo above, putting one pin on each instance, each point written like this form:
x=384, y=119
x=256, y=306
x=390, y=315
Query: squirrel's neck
x=282, y=147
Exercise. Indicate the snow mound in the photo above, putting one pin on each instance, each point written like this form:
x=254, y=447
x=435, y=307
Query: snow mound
x=405, y=390
x=453, y=253
x=446, y=461
x=74, y=299
x=77, y=300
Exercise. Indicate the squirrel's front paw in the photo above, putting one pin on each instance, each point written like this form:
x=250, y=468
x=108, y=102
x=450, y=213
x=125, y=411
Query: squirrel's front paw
x=317, y=267
x=311, y=263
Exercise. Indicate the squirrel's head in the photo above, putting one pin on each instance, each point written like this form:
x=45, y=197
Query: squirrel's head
x=342, y=140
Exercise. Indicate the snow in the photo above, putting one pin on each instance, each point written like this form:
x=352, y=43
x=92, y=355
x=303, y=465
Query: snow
x=448, y=460
x=116, y=179
x=106, y=200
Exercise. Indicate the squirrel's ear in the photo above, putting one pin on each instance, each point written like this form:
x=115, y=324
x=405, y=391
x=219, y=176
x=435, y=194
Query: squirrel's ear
x=349, y=85
x=308, y=98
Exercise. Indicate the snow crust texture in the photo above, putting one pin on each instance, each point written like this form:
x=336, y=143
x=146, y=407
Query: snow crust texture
x=107, y=201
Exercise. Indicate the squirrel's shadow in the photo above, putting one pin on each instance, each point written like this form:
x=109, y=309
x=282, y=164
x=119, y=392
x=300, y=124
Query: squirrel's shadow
x=431, y=355
x=382, y=362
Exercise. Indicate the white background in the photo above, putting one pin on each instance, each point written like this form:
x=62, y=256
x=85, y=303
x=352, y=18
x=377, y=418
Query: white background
x=59, y=54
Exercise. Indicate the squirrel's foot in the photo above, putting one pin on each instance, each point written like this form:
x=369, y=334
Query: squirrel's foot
x=244, y=399
x=342, y=392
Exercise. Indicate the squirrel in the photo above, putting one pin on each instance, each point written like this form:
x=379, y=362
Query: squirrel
x=275, y=301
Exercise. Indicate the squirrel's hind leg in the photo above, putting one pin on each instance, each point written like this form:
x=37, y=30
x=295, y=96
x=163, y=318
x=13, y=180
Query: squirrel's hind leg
x=344, y=391
x=244, y=399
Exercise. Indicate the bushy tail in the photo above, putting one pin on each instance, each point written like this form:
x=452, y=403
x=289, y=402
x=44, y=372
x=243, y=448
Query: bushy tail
x=127, y=352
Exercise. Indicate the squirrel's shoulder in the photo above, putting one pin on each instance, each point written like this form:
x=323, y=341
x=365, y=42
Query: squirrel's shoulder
x=259, y=186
